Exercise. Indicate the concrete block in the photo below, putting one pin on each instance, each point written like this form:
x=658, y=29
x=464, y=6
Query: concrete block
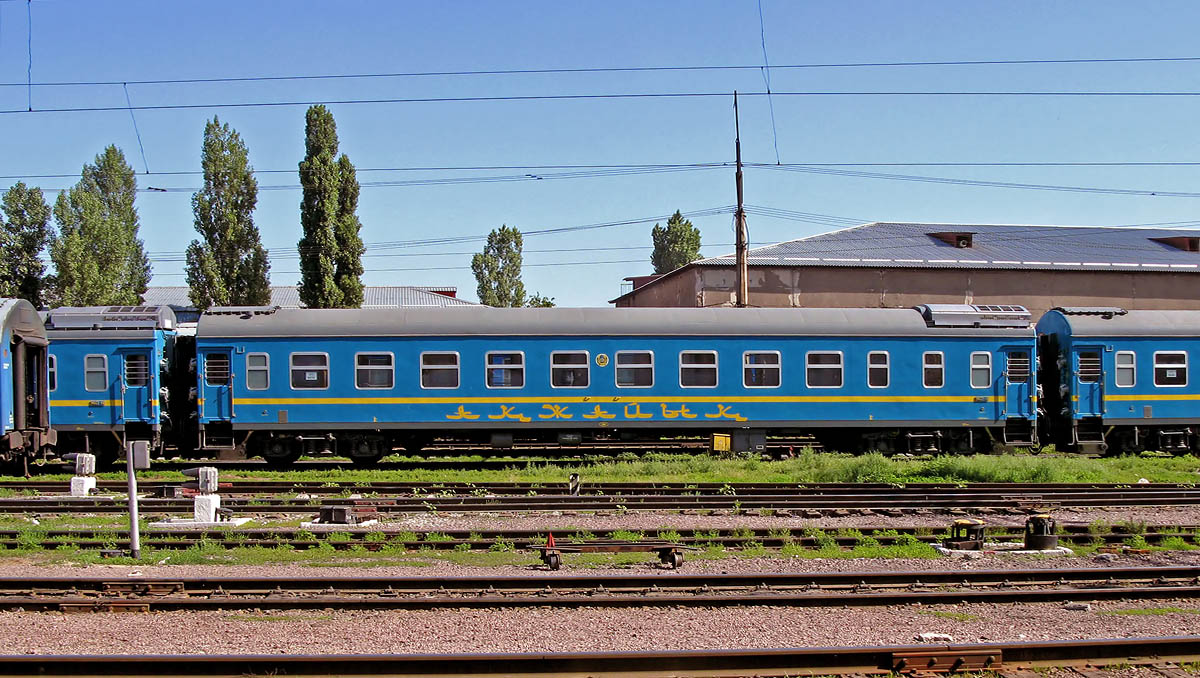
x=85, y=464
x=205, y=508
x=82, y=486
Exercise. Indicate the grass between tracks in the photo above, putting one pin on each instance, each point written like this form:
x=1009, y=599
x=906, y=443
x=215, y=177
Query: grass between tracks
x=806, y=467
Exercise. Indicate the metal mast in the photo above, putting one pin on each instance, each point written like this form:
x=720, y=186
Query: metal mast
x=739, y=216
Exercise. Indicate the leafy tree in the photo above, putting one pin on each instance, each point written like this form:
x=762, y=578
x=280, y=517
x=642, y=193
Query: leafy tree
x=498, y=269
x=230, y=266
x=331, y=249
x=348, y=262
x=538, y=301
x=97, y=255
x=22, y=238
x=678, y=244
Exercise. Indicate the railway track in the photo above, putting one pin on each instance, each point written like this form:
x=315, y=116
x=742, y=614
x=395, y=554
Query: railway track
x=348, y=537
x=258, y=497
x=105, y=594
x=1006, y=659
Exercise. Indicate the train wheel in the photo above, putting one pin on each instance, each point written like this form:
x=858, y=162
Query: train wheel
x=366, y=461
x=281, y=452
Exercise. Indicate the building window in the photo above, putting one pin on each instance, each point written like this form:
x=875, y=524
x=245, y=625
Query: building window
x=635, y=369
x=505, y=369
x=373, y=370
x=439, y=370
x=52, y=372
x=216, y=369
x=823, y=369
x=879, y=369
x=698, y=369
x=95, y=372
x=569, y=369
x=258, y=371
x=1126, y=362
x=934, y=369
x=760, y=369
x=310, y=370
x=1170, y=368
x=981, y=369
x=137, y=369
x=1089, y=367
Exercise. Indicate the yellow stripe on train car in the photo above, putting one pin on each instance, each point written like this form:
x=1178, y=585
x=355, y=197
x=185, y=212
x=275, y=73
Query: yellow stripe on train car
x=600, y=400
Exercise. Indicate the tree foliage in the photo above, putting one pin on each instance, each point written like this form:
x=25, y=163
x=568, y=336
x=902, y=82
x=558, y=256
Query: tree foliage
x=331, y=249
x=675, y=245
x=229, y=267
x=498, y=269
x=97, y=255
x=23, y=236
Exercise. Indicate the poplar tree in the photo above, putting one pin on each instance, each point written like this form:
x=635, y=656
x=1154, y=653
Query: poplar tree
x=678, y=244
x=331, y=249
x=97, y=255
x=22, y=238
x=497, y=269
x=230, y=266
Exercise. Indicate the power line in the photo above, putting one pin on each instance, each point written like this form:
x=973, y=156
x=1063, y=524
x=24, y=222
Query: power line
x=583, y=70
x=465, y=268
x=979, y=182
x=766, y=73
x=448, y=168
x=614, y=96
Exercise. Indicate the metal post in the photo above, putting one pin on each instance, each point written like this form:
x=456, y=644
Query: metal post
x=743, y=236
x=135, y=537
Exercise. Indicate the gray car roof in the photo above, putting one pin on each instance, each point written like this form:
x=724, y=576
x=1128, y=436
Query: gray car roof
x=1134, y=324
x=485, y=321
x=22, y=318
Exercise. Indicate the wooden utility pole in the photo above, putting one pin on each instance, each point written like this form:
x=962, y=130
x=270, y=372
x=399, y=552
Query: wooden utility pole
x=743, y=293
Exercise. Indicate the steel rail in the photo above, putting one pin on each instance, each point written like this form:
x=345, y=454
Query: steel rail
x=807, y=590
x=739, y=663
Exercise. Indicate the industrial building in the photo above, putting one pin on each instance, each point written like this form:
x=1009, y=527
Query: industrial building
x=898, y=265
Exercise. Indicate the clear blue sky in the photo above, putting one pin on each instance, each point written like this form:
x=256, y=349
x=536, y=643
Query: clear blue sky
x=128, y=40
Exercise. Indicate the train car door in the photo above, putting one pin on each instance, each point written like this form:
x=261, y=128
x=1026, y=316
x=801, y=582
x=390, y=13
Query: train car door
x=136, y=386
x=1018, y=383
x=216, y=385
x=1088, y=389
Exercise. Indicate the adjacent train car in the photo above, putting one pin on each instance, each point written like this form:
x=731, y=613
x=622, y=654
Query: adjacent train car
x=24, y=393
x=1120, y=379
x=282, y=382
x=109, y=368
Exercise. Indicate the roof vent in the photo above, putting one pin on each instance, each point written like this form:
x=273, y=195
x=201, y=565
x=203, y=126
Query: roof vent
x=1105, y=312
x=111, y=318
x=968, y=315
x=959, y=239
x=1181, y=242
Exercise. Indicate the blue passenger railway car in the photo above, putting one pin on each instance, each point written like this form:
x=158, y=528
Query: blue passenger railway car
x=282, y=382
x=24, y=397
x=1121, y=379
x=109, y=372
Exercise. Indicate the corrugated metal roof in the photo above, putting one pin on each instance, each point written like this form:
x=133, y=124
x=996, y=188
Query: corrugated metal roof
x=289, y=297
x=911, y=245
x=578, y=322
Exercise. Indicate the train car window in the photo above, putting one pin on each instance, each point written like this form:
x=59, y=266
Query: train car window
x=216, y=369
x=1018, y=367
x=439, y=370
x=635, y=369
x=1089, y=367
x=823, y=369
x=760, y=369
x=1170, y=368
x=373, y=370
x=1126, y=362
x=505, y=369
x=934, y=369
x=698, y=369
x=137, y=369
x=309, y=370
x=95, y=372
x=981, y=369
x=569, y=369
x=258, y=371
x=879, y=369
x=52, y=368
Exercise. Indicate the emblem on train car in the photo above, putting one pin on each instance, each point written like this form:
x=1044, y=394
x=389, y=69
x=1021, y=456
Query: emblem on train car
x=601, y=360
